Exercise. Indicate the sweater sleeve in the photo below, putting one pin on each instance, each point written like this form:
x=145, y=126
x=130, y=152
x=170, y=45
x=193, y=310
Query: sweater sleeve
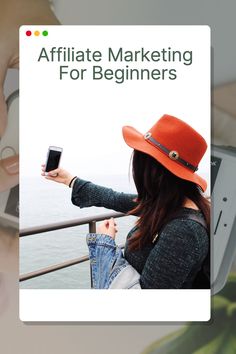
x=178, y=252
x=86, y=194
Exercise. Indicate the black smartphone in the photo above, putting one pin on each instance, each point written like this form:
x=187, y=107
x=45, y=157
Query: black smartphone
x=53, y=158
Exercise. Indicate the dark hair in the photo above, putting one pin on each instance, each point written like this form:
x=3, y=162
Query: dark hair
x=160, y=195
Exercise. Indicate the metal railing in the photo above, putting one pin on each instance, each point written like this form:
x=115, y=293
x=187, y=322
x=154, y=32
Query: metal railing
x=90, y=220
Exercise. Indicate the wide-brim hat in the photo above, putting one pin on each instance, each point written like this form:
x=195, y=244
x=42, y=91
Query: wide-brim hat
x=173, y=143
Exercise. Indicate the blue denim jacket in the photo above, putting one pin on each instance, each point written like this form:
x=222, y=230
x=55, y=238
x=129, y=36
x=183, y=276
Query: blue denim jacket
x=110, y=270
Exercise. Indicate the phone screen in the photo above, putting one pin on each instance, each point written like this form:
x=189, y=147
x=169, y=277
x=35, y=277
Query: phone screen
x=53, y=160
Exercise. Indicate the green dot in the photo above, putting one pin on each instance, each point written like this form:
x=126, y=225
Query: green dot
x=45, y=33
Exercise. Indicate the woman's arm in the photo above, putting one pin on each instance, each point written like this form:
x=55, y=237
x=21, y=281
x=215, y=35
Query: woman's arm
x=86, y=194
x=181, y=249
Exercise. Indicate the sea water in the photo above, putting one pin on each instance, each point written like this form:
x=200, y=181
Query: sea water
x=44, y=202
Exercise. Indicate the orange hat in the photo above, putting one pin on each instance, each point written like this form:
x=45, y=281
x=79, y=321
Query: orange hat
x=174, y=144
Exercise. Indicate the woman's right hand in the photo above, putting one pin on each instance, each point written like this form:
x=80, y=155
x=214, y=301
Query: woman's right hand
x=59, y=175
x=108, y=227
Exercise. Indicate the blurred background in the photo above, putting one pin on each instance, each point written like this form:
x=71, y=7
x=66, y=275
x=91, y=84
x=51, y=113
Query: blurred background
x=17, y=337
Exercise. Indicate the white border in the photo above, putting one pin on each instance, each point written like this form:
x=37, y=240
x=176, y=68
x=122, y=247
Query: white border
x=114, y=305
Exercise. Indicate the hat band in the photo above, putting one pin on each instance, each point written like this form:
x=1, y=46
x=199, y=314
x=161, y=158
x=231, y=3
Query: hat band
x=173, y=155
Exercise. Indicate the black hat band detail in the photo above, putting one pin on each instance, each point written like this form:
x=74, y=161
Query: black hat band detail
x=172, y=154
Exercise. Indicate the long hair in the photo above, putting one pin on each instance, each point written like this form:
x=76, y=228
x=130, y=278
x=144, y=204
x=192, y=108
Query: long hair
x=160, y=195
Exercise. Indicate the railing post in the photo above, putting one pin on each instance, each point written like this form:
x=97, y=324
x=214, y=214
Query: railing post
x=92, y=229
x=92, y=226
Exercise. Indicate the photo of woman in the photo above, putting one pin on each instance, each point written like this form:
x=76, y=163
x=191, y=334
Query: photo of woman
x=168, y=247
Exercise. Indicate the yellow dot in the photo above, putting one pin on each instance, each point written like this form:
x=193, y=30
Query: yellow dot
x=36, y=33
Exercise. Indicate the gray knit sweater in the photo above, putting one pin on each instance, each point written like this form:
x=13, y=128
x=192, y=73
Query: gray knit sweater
x=180, y=256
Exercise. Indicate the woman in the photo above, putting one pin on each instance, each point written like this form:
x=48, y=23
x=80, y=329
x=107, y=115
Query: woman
x=169, y=245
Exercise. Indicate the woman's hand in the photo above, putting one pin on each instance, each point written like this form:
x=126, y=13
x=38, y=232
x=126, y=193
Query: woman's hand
x=59, y=175
x=108, y=227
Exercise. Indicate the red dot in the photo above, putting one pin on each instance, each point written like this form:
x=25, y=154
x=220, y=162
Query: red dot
x=28, y=33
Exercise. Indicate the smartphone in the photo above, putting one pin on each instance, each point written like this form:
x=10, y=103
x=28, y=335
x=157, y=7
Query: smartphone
x=223, y=228
x=9, y=146
x=53, y=158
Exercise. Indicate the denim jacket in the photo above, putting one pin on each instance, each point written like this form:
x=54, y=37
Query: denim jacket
x=110, y=270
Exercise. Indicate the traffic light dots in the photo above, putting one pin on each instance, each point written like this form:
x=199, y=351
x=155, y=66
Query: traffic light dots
x=36, y=33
